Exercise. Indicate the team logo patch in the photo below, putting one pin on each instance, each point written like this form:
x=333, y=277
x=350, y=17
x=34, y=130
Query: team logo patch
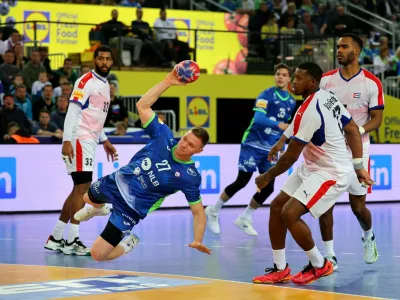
x=261, y=103
x=357, y=95
x=192, y=172
x=146, y=164
x=77, y=95
x=177, y=174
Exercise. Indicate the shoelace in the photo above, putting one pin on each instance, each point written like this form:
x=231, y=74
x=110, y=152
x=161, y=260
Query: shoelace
x=308, y=268
x=271, y=270
x=369, y=244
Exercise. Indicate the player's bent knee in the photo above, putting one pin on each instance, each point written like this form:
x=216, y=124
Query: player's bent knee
x=97, y=255
x=288, y=215
x=112, y=235
x=276, y=207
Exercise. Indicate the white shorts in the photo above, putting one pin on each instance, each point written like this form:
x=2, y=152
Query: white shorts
x=84, y=156
x=318, y=191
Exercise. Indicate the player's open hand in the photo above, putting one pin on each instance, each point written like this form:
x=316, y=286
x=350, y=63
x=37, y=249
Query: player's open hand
x=200, y=247
x=364, y=178
x=67, y=151
x=172, y=79
x=110, y=150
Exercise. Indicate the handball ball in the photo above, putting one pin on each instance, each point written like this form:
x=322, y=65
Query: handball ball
x=187, y=71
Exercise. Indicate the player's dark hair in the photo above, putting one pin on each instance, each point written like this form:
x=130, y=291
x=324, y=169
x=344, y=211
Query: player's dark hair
x=201, y=133
x=312, y=69
x=355, y=38
x=282, y=66
x=102, y=48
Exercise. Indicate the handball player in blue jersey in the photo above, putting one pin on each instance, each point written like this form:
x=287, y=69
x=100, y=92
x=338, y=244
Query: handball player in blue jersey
x=163, y=167
x=272, y=112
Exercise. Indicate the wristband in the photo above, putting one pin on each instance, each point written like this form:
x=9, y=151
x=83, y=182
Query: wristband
x=362, y=130
x=358, y=163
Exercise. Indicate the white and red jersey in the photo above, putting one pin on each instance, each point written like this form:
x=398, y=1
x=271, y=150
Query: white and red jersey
x=92, y=93
x=359, y=94
x=319, y=123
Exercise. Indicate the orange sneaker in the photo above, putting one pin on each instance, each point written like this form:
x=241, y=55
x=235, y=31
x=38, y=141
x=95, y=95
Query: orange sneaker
x=273, y=275
x=311, y=274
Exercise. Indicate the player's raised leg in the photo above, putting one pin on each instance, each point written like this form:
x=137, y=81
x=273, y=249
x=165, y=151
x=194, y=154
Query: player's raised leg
x=212, y=212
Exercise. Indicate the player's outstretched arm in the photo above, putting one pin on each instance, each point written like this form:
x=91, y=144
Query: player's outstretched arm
x=199, y=226
x=146, y=102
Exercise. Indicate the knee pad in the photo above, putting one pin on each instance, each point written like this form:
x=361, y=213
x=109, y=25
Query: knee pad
x=241, y=181
x=112, y=234
x=264, y=193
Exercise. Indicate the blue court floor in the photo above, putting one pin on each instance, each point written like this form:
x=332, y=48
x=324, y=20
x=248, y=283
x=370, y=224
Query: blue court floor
x=164, y=236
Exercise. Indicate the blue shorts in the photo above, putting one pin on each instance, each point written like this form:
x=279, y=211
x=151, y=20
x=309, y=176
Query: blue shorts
x=251, y=159
x=106, y=190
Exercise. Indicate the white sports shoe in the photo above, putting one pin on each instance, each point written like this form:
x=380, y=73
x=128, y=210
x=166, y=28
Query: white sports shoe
x=131, y=241
x=89, y=212
x=212, y=220
x=54, y=245
x=245, y=225
x=370, y=250
x=76, y=248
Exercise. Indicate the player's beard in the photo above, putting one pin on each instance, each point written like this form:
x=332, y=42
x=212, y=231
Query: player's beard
x=348, y=60
x=100, y=72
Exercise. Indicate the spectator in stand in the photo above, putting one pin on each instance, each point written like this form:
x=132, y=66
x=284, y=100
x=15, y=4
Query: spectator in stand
x=166, y=33
x=20, y=59
x=57, y=91
x=246, y=7
x=132, y=3
x=290, y=13
x=366, y=55
x=309, y=28
x=66, y=90
x=38, y=85
x=269, y=32
x=384, y=43
x=12, y=113
x=121, y=129
x=67, y=71
x=46, y=101
x=321, y=18
x=306, y=6
x=45, y=127
x=3, y=44
x=21, y=99
x=16, y=135
x=58, y=116
x=14, y=39
x=44, y=59
x=85, y=69
x=32, y=69
x=117, y=110
x=289, y=27
x=257, y=21
x=341, y=23
x=8, y=71
x=154, y=50
x=19, y=80
x=229, y=4
x=382, y=62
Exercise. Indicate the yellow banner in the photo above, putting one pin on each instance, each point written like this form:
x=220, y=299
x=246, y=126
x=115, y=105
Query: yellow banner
x=219, y=53
x=389, y=132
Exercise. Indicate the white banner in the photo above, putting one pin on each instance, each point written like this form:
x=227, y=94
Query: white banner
x=34, y=178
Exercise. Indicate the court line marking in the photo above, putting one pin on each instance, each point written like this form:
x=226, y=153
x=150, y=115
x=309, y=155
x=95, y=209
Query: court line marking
x=5, y=239
x=164, y=245
x=35, y=219
x=347, y=253
x=201, y=278
x=242, y=247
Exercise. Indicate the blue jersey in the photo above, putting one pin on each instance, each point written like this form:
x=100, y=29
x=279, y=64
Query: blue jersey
x=155, y=173
x=277, y=106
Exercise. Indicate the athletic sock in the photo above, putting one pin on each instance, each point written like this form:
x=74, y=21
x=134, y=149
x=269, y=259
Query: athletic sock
x=217, y=207
x=59, y=230
x=248, y=213
x=328, y=245
x=280, y=259
x=315, y=257
x=368, y=234
x=73, y=232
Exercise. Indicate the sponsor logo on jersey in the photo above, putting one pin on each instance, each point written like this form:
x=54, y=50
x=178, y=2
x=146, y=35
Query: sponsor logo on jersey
x=77, y=95
x=261, y=103
x=146, y=164
x=251, y=162
x=177, y=174
x=192, y=172
x=137, y=171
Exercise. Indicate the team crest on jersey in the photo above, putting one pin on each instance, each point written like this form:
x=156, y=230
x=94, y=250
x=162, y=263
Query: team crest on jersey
x=177, y=174
x=146, y=164
x=137, y=171
x=192, y=172
x=357, y=95
x=262, y=103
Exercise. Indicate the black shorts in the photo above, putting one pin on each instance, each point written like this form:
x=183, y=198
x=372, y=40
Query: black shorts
x=81, y=177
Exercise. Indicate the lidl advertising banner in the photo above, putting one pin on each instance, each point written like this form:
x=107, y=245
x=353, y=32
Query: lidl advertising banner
x=219, y=53
x=33, y=178
x=389, y=131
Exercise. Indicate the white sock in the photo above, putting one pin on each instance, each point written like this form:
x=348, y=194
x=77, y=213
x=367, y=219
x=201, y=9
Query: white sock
x=315, y=257
x=328, y=245
x=368, y=234
x=280, y=259
x=126, y=247
x=73, y=232
x=248, y=212
x=59, y=230
x=217, y=207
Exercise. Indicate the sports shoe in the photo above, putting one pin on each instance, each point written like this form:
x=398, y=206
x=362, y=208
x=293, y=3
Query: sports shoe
x=54, y=245
x=311, y=274
x=76, y=248
x=273, y=275
x=89, y=212
x=333, y=261
x=131, y=242
x=245, y=225
x=370, y=250
x=212, y=220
